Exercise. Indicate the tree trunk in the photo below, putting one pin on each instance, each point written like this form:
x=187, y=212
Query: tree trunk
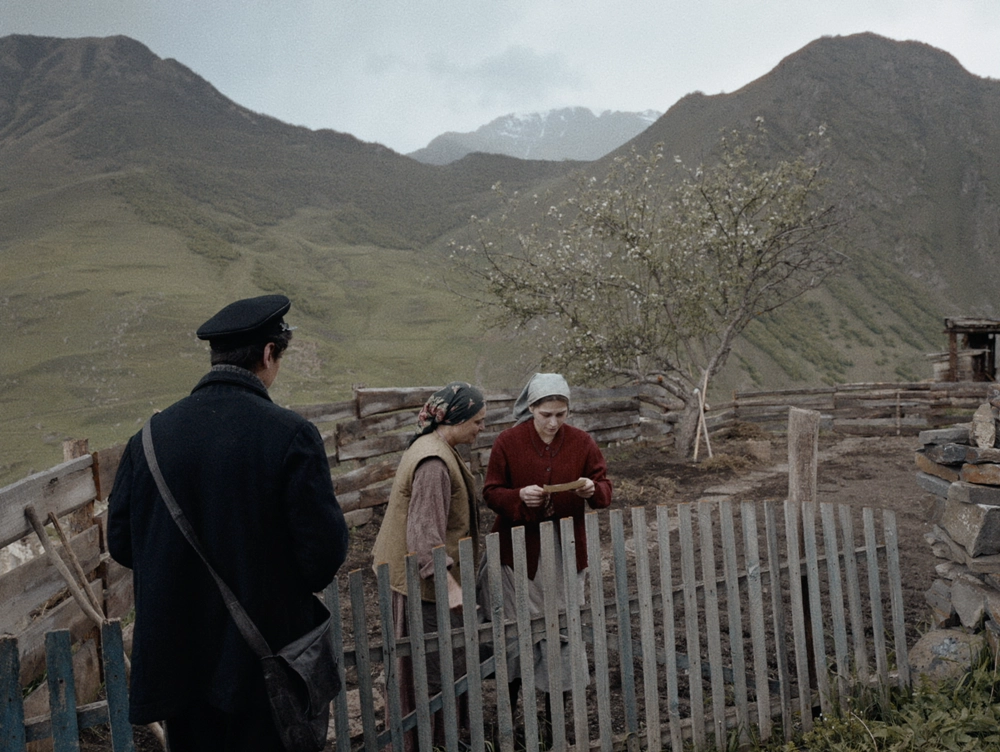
x=687, y=429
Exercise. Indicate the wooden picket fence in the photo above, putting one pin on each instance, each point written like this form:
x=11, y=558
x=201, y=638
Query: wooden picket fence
x=691, y=637
x=65, y=719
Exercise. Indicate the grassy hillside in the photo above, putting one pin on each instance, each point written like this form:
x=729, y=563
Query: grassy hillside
x=135, y=201
x=101, y=315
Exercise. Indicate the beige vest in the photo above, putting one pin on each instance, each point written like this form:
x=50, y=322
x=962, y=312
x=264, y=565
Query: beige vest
x=463, y=517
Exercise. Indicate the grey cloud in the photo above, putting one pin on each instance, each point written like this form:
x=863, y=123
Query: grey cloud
x=516, y=73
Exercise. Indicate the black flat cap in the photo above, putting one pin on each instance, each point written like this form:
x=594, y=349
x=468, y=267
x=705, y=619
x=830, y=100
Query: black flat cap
x=246, y=321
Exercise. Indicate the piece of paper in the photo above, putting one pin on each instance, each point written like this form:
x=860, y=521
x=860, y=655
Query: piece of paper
x=579, y=483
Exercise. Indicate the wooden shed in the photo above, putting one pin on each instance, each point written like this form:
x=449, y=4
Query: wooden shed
x=972, y=350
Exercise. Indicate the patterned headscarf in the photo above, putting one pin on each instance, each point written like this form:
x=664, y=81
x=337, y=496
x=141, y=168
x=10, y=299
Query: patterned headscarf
x=453, y=404
x=540, y=385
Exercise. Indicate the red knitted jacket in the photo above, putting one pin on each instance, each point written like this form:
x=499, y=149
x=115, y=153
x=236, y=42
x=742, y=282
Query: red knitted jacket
x=520, y=458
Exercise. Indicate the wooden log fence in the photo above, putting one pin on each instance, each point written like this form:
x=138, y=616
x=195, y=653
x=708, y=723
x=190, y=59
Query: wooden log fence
x=868, y=409
x=693, y=627
x=365, y=436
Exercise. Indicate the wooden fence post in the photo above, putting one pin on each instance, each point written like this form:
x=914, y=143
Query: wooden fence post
x=803, y=455
x=83, y=517
x=12, y=735
x=116, y=686
x=803, y=470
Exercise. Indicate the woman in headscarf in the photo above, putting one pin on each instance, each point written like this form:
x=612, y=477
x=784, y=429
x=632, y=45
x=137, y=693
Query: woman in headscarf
x=432, y=503
x=541, y=450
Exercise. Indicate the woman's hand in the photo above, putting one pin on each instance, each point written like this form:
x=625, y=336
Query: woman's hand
x=587, y=489
x=534, y=496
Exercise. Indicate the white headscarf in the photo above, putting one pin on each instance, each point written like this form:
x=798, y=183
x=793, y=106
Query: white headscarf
x=539, y=386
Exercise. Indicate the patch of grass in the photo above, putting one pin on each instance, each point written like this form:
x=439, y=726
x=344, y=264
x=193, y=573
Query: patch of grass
x=758, y=335
x=750, y=370
x=803, y=328
x=961, y=715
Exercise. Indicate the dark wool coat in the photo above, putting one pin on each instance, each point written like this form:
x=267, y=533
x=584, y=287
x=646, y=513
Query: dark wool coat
x=254, y=481
x=520, y=458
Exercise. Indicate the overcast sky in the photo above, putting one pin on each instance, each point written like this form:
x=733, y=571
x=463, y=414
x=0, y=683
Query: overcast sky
x=403, y=71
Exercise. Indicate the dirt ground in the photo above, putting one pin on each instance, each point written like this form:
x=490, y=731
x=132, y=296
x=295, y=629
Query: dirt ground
x=750, y=466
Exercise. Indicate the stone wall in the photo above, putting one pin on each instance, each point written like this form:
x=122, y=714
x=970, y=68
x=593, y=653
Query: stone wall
x=960, y=466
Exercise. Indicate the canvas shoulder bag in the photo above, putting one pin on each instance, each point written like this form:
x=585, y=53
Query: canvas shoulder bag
x=301, y=678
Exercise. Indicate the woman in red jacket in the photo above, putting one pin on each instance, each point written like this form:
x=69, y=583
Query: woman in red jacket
x=540, y=450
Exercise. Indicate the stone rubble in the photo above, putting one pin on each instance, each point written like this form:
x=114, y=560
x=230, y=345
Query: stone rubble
x=960, y=467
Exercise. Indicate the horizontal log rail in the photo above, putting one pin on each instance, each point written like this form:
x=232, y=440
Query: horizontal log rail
x=871, y=409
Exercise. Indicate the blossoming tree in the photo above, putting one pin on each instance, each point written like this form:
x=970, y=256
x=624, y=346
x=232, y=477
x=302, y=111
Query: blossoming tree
x=644, y=276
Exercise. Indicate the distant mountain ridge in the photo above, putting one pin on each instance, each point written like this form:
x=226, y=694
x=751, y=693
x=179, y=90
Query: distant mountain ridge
x=568, y=133
x=136, y=199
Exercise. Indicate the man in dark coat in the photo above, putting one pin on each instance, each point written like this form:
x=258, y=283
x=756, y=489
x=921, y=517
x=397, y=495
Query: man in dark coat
x=254, y=481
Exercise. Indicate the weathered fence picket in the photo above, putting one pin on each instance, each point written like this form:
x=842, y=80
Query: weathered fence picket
x=779, y=618
x=734, y=609
x=602, y=669
x=647, y=635
x=65, y=719
x=722, y=651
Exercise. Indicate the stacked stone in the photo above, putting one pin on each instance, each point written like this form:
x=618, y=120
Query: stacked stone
x=961, y=467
